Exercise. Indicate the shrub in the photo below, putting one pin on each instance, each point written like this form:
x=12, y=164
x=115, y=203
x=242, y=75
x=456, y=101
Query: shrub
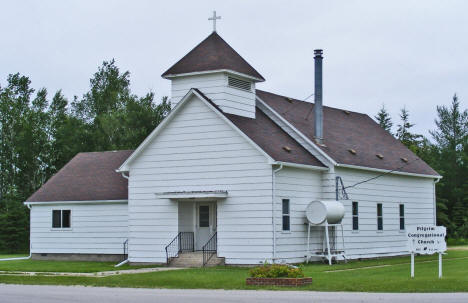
x=276, y=271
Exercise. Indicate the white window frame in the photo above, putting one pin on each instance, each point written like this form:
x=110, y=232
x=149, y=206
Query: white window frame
x=61, y=219
x=286, y=215
x=379, y=217
x=401, y=217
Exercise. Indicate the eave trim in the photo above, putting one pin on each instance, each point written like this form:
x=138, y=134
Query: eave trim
x=76, y=202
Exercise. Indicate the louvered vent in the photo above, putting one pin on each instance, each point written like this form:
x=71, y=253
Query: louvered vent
x=238, y=83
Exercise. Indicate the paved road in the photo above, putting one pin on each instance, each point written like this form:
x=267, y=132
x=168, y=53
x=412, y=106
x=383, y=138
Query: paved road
x=53, y=294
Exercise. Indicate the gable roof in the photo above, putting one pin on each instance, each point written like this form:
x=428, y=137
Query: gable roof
x=87, y=177
x=192, y=92
x=212, y=54
x=270, y=137
x=344, y=131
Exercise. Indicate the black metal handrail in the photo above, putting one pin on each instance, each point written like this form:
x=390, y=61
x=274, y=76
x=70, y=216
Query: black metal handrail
x=125, y=250
x=184, y=241
x=210, y=248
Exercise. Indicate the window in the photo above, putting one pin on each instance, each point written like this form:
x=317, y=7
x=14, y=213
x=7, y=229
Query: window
x=204, y=215
x=61, y=218
x=355, y=216
x=379, y=216
x=286, y=215
x=238, y=83
x=402, y=217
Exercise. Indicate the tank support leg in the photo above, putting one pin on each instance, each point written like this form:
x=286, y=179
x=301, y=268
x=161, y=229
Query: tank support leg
x=328, y=244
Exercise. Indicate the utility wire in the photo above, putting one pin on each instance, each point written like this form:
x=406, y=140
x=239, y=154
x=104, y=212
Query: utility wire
x=381, y=175
x=290, y=107
x=308, y=97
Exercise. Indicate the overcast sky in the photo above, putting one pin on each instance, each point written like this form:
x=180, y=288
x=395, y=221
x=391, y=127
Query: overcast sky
x=401, y=53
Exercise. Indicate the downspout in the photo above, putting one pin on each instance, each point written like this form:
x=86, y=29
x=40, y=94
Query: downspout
x=273, y=212
x=121, y=263
x=30, y=252
x=435, y=200
x=126, y=260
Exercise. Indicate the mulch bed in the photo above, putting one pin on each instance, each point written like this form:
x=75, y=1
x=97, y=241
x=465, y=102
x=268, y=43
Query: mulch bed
x=279, y=281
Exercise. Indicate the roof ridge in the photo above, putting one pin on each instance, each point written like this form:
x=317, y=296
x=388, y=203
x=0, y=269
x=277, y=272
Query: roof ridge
x=298, y=100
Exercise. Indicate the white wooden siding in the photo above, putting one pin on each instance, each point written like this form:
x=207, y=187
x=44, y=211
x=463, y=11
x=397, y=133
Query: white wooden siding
x=215, y=86
x=415, y=193
x=302, y=187
x=95, y=229
x=198, y=151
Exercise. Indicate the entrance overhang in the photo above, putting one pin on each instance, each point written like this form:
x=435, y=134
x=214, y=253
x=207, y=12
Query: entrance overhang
x=193, y=195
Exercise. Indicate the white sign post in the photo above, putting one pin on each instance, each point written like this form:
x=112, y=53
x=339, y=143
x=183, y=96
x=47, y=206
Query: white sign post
x=426, y=240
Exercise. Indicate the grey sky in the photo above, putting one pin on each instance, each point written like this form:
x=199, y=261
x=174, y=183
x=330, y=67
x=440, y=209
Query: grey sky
x=401, y=53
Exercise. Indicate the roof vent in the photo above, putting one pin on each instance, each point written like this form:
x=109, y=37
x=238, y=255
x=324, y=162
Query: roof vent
x=238, y=83
x=347, y=112
x=287, y=148
x=290, y=100
x=404, y=160
x=352, y=151
x=380, y=156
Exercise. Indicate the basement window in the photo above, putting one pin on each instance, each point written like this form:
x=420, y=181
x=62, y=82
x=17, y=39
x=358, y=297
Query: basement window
x=379, y=216
x=239, y=84
x=286, y=215
x=61, y=218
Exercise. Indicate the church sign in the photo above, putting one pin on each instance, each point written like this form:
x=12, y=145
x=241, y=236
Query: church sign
x=426, y=240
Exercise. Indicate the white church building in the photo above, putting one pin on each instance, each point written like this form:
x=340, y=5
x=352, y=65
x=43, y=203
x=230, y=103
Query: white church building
x=230, y=171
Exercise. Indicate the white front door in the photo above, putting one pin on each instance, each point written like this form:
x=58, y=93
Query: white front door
x=206, y=223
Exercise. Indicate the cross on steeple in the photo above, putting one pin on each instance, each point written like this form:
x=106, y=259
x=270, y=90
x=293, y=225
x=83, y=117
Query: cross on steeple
x=214, y=18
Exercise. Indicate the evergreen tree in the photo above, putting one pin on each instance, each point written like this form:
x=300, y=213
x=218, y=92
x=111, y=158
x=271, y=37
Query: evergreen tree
x=404, y=134
x=384, y=119
x=451, y=137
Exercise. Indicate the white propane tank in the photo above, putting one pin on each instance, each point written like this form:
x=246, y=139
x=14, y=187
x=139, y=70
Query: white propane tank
x=318, y=212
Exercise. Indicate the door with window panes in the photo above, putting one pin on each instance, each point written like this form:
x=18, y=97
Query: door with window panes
x=205, y=223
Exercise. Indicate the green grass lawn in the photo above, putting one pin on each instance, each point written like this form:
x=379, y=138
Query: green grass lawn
x=59, y=266
x=392, y=278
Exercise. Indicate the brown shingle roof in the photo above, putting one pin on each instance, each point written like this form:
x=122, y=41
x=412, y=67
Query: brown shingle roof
x=213, y=53
x=345, y=131
x=273, y=140
x=269, y=137
x=87, y=177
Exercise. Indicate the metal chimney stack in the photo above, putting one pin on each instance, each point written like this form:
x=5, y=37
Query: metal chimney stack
x=318, y=108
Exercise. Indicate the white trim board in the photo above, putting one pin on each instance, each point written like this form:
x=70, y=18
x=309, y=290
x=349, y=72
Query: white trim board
x=77, y=202
x=219, y=194
x=230, y=71
x=379, y=170
x=303, y=166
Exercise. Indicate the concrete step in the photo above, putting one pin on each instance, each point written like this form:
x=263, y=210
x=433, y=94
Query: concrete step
x=194, y=259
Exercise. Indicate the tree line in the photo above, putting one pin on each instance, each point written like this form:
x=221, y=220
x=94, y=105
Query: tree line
x=40, y=134
x=447, y=153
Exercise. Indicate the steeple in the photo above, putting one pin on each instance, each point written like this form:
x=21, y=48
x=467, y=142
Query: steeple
x=220, y=73
x=213, y=54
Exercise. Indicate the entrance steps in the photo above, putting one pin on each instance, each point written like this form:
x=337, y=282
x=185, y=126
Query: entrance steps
x=194, y=259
